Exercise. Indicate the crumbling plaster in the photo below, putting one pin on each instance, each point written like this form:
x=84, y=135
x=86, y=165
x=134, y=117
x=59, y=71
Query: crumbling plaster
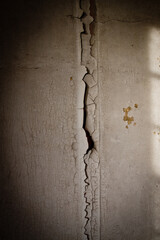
x=90, y=125
x=76, y=128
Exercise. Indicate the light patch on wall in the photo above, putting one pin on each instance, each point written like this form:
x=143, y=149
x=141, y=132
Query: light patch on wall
x=154, y=63
x=154, y=51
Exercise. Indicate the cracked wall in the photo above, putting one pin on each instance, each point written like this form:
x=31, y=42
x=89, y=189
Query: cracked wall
x=91, y=158
x=42, y=136
x=76, y=129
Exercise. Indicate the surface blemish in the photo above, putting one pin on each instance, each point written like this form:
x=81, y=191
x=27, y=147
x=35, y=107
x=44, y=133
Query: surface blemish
x=126, y=118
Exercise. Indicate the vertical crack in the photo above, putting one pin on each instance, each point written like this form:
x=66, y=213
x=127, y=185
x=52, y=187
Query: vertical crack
x=90, y=158
x=89, y=138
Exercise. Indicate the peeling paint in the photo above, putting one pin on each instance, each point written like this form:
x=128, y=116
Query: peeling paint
x=90, y=125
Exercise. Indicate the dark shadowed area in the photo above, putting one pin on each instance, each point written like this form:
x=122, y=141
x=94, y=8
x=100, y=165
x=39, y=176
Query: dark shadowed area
x=39, y=192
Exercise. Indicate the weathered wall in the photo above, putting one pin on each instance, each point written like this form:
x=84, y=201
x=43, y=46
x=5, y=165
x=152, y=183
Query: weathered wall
x=128, y=179
x=79, y=120
x=42, y=140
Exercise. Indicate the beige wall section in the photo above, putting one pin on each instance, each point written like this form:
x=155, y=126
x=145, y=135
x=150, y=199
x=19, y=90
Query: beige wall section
x=128, y=181
x=51, y=190
x=41, y=160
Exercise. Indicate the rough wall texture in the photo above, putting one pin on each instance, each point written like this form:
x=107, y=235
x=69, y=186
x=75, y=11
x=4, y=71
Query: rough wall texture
x=127, y=122
x=91, y=127
x=79, y=120
x=42, y=136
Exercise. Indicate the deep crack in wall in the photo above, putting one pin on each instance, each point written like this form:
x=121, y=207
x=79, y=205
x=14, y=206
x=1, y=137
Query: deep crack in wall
x=90, y=124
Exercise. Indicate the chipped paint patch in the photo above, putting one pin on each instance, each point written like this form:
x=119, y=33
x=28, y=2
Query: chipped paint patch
x=158, y=133
x=90, y=124
x=127, y=118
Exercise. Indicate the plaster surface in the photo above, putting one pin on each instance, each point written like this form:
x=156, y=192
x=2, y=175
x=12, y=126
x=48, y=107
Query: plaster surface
x=79, y=120
x=125, y=65
x=42, y=140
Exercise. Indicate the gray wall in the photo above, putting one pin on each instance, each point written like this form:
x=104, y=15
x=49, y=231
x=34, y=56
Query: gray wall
x=44, y=193
x=41, y=188
x=128, y=179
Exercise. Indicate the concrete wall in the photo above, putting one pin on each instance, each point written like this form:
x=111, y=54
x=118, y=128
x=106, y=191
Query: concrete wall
x=79, y=120
x=128, y=67
x=41, y=183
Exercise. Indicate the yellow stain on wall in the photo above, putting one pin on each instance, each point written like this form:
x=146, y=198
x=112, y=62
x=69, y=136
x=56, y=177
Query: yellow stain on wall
x=126, y=118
